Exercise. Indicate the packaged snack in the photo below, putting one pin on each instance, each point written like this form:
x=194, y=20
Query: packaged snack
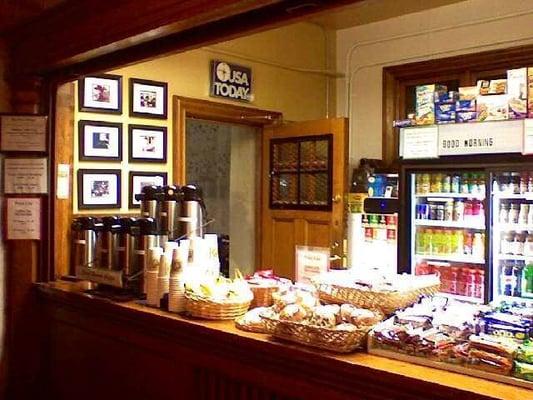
x=495, y=345
x=483, y=87
x=523, y=371
x=498, y=86
x=445, y=113
x=525, y=352
x=489, y=362
x=517, y=91
x=446, y=97
x=492, y=108
x=468, y=92
x=425, y=103
x=465, y=105
x=466, y=116
x=530, y=92
x=403, y=123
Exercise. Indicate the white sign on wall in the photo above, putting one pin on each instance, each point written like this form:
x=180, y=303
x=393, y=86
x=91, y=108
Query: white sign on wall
x=420, y=142
x=481, y=138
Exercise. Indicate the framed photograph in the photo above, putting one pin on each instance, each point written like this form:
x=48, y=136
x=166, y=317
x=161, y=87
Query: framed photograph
x=147, y=143
x=99, y=141
x=148, y=99
x=98, y=188
x=138, y=180
x=100, y=94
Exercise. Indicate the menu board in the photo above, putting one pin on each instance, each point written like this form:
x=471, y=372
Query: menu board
x=26, y=175
x=23, y=219
x=420, y=142
x=23, y=133
x=310, y=262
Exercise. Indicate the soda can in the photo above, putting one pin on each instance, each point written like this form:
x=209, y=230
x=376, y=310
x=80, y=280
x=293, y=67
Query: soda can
x=423, y=211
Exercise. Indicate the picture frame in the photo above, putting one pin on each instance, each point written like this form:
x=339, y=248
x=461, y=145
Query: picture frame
x=100, y=94
x=148, y=99
x=147, y=144
x=139, y=179
x=99, y=188
x=99, y=141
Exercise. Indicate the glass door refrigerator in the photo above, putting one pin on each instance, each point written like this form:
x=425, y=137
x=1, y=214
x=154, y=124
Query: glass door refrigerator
x=473, y=225
x=444, y=228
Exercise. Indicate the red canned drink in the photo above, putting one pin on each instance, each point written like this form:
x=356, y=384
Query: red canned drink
x=369, y=233
x=391, y=234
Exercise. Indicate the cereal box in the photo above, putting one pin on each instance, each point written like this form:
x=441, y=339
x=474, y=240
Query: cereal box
x=425, y=103
x=492, y=108
x=517, y=91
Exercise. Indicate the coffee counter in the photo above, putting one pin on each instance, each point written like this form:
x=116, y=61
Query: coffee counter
x=99, y=349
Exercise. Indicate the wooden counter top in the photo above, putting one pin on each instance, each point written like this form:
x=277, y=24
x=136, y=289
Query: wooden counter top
x=344, y=372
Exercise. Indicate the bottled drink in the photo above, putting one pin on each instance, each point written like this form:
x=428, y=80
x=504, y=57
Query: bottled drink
x=507, y=278
x=445, y=279
x=462, y=280
x=514, y=183
x=440, y=212
x=514, y=210
x=465, y=182
x=478, y=246
x=523, y=213
x=481, y=184
x=468, y=212
x=458, y=210
x=448, y=211
x=518, y=268
x=454, y=275
x=447, y=241
x=364, y=220
x=470, y=282
x=481, y=215
x=506, y=242
x=528, y=247
x=425, y=184
x=530, y=215
x=422, y=268
x=473, y=185
x=523, y=182
x=476, y=211
x=530, y=183
x=459, y=239
x=446, y=183
x=528, y=276
x=456, y=183
x=436, y=183
x=480, y=283
x=369, y=234
x=418, y=183
x=504, y=213
x=504, y=181
x=468, y=242
x=518, y=244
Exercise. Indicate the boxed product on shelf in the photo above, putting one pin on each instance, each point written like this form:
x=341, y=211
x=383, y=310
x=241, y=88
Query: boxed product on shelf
x=466, y=116
x=445, y=113
x=530, y=92
x=492, y=108
x=465, y=106
x=444, y=97
x=498, y=86
x=517, y=91
x=425, y=103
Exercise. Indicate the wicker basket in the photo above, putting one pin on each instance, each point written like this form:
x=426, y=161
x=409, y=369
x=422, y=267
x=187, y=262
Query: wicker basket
x=386, y=302
x=337, y=341
x=262, y=295
x=201, y=307
x=263, y=328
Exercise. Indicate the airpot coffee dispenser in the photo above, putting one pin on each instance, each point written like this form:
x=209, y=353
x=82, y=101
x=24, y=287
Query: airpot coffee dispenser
x=192, y=212
x=84, y=236
x=168, y=211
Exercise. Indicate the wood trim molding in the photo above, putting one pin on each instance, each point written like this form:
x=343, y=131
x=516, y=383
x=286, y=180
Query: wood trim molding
x=466, y=68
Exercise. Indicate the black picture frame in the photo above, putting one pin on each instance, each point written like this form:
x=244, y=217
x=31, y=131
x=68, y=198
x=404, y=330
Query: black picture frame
x=133, y=153
x=132, y=176
x=83, y=204
x=82, y=87
x=135, y=108
x=82, y=150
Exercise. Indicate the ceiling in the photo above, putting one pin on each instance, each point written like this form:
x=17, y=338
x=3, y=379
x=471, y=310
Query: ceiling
x=374, y=10
x=17, y=12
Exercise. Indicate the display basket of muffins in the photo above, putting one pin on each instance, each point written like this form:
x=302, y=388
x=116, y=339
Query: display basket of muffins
x=263, y=285
x=340, y=329
x=374, y=291
x=217, y=298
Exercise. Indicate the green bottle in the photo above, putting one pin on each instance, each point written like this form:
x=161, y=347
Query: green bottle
x=528, y=275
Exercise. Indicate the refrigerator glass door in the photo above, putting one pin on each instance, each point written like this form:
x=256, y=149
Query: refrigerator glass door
x=448, y=230
x=512, y=236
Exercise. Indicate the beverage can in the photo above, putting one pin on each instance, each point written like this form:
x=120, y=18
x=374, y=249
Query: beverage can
x=456, y=183
x=458, y=210
x=432, y=211
x=440, y=212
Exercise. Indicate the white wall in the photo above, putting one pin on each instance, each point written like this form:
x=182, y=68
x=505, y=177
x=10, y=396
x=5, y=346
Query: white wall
x=447, y=39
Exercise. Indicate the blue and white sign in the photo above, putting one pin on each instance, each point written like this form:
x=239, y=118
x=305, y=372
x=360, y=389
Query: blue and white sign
x=231, y=81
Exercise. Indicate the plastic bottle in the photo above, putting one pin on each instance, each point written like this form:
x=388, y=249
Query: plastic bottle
x=456, y=183
x=458, y=210
x=468, y=239
x=480, y=283
x=459, y=238
x=446, y=183
x=504, y=213
x=468, y=210
x=523, y=213
x=478, y=246
x=528, y=276
x=514, y=210
x=507, y=279
x=524, y=178
x=454, y=276
x=518, y=268
x=448, y=211
x=465, y=182
x=462, y=280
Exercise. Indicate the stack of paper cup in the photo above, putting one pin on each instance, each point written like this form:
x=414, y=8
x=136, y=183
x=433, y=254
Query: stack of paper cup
x=162, y=277
x=151, y=274
x=176, y=291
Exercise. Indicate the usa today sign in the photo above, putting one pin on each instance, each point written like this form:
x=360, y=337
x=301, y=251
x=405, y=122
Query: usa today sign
x=231, y=81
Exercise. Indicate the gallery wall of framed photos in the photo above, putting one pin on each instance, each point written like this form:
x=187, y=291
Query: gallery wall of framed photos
x=122, y=141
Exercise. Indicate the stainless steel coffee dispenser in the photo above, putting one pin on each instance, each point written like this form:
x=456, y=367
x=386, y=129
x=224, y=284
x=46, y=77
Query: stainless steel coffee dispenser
x=84, y=236
x=109, y=243
x=150, y=198
x=148, y=237
x=128, y=239
x=192, y=212
x=168, y=215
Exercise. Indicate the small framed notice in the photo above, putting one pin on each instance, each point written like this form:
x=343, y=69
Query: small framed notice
x=26, y=175
x=26, y=133
x=23, y=219
x=310, y=262
x=420, y=142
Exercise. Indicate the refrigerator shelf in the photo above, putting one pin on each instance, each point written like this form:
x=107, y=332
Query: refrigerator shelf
x=449, y=224
x=513, y=299
x=512, y=196
x=478, y=196
x=514, y=227
x=513, y=257
x=452, y=258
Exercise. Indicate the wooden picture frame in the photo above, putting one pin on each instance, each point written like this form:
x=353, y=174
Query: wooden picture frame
x=148, y=99
x=100, y=94
x=93, y=147
x=147, y=144
x=95, y=186
x=133, y=184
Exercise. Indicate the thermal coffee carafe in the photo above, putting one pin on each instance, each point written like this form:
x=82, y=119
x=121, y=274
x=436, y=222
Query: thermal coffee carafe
x=150, y=198
x=85, y=231
x=168, y=211
x=148, y=236
x=127, y=245
x=192, y=212
x=109, y=243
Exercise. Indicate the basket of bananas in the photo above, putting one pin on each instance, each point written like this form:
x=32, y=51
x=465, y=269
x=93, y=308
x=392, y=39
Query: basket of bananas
x=217, y=298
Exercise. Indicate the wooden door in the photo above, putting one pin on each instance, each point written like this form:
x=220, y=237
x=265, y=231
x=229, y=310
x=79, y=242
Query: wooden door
x=297, y=221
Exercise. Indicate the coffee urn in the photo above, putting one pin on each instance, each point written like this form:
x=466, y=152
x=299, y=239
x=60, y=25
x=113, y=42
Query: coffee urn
x=84, y=236
x=192, y=212
x=168, y=211
x=148, y=237
x=127, y=245
x=109, y=243
x=150, y=198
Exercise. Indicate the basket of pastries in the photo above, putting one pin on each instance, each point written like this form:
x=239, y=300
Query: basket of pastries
x=263, y=284
x=217, y=298
x=374, y=291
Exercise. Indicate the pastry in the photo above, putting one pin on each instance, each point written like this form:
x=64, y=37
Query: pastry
x=294, y=313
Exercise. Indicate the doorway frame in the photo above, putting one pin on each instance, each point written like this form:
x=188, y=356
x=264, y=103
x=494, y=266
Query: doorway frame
x=187, y=107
